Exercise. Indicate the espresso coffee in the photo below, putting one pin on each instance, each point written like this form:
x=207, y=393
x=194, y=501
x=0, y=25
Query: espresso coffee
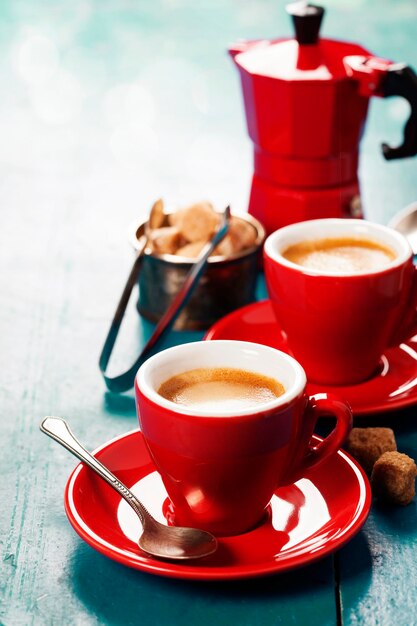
x=220, y=388
x=340, y=255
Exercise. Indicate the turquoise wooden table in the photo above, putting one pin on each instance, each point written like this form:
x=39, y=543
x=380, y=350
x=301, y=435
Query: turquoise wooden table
x=106, y=105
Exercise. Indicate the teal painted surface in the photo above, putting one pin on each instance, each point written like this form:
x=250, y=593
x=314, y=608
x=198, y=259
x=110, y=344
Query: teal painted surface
x=104, y=106
x=378, y=568
x=142, y=599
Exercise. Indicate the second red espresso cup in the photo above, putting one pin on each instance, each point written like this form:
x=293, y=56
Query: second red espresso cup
x=221, y=462
x=339, y=313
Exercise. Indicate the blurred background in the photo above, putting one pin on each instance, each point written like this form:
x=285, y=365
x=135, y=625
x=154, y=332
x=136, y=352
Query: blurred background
x=108, y=104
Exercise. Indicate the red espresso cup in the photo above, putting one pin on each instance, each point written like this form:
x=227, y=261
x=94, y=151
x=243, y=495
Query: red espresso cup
x=221, y=468
x=339, y=324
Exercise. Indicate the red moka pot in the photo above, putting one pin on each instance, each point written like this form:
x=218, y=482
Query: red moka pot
x=306, y=101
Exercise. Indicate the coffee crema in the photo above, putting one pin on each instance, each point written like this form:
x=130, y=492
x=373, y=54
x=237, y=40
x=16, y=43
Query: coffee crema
x=344, y=255
x=220, y=388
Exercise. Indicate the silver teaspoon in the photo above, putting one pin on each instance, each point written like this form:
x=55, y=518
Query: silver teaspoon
x=165, y=542
x=405, y=221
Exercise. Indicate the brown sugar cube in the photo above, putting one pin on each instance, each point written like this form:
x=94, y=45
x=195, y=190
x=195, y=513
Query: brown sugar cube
x=175, y=217
x=393, y=478
x=157, y=215
x=165, y=240
x=242, y=234
x=225, y=247
x=197, y=222
x=191, y=250
x=367, y=444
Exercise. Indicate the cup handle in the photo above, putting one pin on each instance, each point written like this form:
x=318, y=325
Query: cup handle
x=409, y=316
x=329, y=405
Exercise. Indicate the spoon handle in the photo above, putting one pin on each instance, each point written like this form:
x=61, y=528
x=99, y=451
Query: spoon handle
x=58, y=429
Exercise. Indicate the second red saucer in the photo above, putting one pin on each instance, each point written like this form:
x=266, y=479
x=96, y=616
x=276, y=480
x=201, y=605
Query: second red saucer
x=394, y=386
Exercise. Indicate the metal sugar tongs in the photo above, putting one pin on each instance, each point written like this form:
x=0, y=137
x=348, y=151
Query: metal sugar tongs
x=125, y=381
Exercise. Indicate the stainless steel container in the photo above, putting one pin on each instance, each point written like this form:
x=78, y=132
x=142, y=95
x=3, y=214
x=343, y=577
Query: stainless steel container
x=227, y=283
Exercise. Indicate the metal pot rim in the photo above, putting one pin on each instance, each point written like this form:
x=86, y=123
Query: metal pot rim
x=182, y=260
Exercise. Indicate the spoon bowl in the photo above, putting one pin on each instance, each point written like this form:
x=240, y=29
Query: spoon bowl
x=405, y=222
x=164, y=542
x=176, y=542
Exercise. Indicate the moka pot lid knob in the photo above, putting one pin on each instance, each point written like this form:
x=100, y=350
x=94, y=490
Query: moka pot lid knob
x=307, y=19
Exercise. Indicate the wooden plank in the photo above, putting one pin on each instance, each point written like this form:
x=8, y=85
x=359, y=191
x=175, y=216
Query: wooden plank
x=378, y=568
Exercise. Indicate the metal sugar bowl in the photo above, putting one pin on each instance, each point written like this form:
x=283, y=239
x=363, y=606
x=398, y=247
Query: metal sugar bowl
x=227, y=283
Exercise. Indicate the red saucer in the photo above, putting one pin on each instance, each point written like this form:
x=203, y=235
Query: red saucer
x=305, y=521
x=393, y=387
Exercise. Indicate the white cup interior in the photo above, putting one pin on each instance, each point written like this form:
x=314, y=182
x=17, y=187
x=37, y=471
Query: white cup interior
x=244, y=355
x=290, y=235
